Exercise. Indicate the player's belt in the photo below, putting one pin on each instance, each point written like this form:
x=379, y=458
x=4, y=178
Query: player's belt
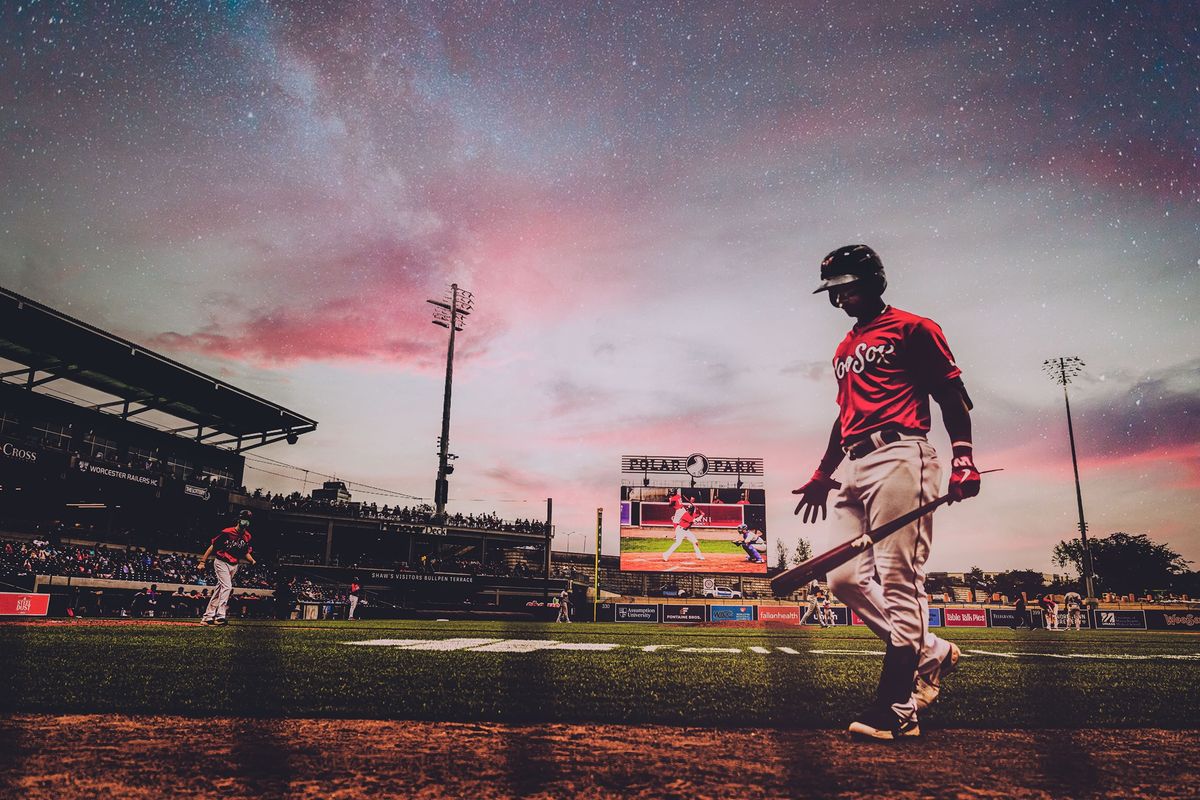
x=868, y=444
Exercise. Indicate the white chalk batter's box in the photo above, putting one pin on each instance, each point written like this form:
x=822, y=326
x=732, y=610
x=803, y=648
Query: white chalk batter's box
x=517, y=646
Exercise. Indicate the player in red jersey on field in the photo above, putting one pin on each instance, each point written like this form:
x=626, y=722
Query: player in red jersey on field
x=887, y=367
x=226, y=549
x=684, y=517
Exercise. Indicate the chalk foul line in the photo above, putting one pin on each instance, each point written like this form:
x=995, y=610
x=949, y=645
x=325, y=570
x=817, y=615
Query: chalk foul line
x=476, y=645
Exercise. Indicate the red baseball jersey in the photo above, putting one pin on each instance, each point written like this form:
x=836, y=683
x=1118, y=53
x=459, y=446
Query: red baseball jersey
x=231, y=544
x=886, y=369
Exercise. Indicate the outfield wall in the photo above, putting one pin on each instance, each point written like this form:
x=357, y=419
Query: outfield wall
x=683, y=612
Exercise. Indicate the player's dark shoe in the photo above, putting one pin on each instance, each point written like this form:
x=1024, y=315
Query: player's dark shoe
x=220, y=622
x=927, y=687
x=206, y=621
x=884, y=724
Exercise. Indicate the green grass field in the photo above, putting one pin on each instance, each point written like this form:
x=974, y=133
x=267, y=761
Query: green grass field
x=638, y=545
x=1021, y=679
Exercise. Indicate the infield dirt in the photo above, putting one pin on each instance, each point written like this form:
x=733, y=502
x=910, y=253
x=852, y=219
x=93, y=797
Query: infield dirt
x=86, y=756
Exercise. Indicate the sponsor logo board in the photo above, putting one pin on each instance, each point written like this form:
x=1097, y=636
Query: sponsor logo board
x=779, y=615
x=88, y=468
x=18, y=453
x=731, y=613
x=201, y=492
x=693, y=612
x=636, y=612
x=965, y=617
x=841, y=616
x=935, y=618
x=1084, y=621
x=1173, y=620
x=1119, y=619
x=24, y=605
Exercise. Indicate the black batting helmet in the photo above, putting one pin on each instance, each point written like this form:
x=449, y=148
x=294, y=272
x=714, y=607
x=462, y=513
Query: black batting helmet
x=245, y=514
x=850, y=264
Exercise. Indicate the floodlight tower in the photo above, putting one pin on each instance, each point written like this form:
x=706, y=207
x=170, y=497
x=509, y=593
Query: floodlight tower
x=449, y=314
x=1061, y=370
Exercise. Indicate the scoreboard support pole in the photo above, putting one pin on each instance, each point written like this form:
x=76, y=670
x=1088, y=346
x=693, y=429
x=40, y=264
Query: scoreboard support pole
x=596, y=584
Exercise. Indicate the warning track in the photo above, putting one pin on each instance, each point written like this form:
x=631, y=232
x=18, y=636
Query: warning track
x=144, y=758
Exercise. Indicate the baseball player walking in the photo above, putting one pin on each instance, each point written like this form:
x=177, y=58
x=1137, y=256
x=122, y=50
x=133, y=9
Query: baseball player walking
x=564, y=606
x=814, y=604
x=887, y=367
x=356, y=591
x=226, y=549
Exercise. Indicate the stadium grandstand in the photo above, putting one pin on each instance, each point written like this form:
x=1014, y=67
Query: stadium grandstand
x=117, y=464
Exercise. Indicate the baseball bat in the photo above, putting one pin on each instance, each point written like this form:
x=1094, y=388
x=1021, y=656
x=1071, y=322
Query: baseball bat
x=790, y=580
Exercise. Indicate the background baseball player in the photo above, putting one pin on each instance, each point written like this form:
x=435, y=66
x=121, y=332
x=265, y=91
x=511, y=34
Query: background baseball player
x=356, y=591
x=1050, y=612
x=1074, y=604
x=226, y=549
x=564, y=606
x=828, y=620
x=814, y=604
x=750, y=541
x=887, y=367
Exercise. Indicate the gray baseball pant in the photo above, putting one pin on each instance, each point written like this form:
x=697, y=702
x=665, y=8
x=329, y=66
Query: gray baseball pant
x=885, y=584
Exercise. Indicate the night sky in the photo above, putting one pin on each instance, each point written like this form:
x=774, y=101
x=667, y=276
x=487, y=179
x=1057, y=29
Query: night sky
x=639, y=197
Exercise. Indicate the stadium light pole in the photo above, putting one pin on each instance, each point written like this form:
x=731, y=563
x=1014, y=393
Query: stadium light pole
x=1061, y=370
x=448, y=314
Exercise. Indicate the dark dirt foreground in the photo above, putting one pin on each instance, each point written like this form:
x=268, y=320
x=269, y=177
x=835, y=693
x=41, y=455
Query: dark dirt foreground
x=62, y=757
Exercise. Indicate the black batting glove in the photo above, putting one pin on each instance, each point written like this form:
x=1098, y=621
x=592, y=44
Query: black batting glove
x=814, y=495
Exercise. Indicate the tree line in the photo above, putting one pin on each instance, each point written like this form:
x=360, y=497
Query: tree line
x=1123, y=563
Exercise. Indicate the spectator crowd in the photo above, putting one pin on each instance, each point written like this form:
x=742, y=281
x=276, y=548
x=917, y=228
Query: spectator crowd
x=422, y=514
x=40, y=557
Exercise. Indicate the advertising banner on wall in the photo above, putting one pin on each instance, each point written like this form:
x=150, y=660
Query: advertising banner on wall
x=965, y=617
x=605, y=612
x=636, y=612
x=1084, y=621
x=1119, y=619
x=693, y=612
x=1007, y=617
x=935, y=618
x=835, y=615
x=124, y=474
x=694, y=513
x=1173, y=620
x=24, y=605
x=731, y=613
x=779, y=615
x=19, y=459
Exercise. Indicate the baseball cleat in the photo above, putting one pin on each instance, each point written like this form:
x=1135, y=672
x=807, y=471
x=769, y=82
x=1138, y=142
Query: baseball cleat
x=884, y=724
x=927, y=687
x=220, y=622
x=206, y=621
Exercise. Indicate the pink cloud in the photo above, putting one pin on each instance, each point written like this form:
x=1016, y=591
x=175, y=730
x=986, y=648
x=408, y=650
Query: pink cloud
x=342, y=329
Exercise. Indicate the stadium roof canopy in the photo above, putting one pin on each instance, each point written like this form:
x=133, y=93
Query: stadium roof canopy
x=53, y=346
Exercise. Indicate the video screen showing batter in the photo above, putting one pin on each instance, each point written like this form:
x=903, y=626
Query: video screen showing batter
x=693, y=514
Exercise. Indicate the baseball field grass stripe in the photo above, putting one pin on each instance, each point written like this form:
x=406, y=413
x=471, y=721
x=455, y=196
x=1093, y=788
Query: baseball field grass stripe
x=606, y=672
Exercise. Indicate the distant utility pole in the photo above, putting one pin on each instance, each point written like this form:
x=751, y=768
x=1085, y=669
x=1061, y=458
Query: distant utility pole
x=449, y=314
x=1061, y=370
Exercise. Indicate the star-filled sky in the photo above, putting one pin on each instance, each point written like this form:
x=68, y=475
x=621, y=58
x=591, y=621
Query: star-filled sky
x=639, y=196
